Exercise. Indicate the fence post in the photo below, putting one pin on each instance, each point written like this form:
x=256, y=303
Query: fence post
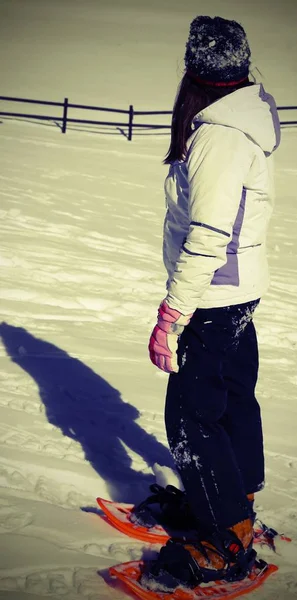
x=65, y=110
x=131, y=115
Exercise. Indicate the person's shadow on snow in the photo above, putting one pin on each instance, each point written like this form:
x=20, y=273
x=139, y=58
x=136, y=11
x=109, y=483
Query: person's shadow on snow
x=89, y=410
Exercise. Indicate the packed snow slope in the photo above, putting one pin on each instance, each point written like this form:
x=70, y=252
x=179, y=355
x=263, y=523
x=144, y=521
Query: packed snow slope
x=81, y=406
x=121, y=52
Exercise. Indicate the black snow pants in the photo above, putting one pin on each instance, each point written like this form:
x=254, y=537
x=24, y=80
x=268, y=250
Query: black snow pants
x=212, y=417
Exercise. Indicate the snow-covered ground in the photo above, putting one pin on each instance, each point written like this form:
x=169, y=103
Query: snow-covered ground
x=81, y=279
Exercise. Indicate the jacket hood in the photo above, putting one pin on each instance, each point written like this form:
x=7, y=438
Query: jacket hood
x=249, y=109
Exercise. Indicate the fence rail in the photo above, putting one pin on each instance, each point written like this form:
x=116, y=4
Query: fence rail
x=129, y=124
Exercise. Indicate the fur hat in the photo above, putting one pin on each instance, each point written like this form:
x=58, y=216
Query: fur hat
x=217, y=51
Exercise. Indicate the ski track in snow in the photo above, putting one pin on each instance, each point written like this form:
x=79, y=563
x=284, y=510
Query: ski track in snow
x=81, y=280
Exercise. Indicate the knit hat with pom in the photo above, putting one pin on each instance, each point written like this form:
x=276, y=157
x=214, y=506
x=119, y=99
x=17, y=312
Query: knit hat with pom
x=217, y=51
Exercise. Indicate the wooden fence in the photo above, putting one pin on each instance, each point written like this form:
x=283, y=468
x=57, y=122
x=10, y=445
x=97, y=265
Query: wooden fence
x=129, y=124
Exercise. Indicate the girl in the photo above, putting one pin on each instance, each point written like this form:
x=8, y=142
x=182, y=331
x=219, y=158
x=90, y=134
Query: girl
x=219, y=194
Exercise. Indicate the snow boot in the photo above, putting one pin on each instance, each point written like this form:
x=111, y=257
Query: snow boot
x=251, y=499
x=166, y=506
x=169, y=507
x=227, y=555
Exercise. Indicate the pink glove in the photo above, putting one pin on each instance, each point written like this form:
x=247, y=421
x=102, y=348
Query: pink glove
x=164, y=339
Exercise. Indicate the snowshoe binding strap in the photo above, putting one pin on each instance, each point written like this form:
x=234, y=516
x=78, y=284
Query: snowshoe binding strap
x=268, y=533
x=169, y=500
x=177, y=565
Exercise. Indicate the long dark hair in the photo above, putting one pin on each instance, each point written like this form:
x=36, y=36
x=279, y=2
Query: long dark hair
x=191, y=98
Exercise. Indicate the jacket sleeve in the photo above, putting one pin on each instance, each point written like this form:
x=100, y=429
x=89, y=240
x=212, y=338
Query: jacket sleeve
x=218, y=161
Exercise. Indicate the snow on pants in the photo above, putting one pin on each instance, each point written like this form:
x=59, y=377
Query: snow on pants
x=212, y=417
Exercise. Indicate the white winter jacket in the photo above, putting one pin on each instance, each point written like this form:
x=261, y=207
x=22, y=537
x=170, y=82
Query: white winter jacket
x=219, y=202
